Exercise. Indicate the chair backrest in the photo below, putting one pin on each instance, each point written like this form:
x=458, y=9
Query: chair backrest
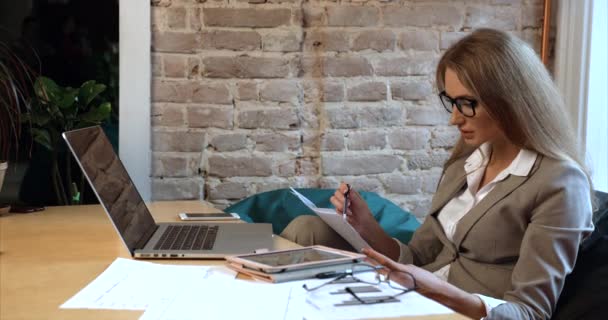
x=585, y=294
x=279, y=207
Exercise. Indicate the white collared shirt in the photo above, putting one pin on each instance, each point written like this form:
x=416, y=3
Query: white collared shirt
x=463, y=202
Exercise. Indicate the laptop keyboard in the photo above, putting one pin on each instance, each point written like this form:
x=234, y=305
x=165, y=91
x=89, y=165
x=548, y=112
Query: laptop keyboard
x=187, y=238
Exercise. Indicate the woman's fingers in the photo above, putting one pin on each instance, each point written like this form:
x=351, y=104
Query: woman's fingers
x=337, y=200
x=339, y=204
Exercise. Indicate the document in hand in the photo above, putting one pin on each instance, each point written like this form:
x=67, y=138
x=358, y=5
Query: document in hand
x=336, y=222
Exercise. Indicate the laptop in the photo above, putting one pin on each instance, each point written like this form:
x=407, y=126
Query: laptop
x=135, y=225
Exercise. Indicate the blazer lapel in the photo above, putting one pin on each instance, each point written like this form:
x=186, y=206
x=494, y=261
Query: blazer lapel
x=451, y=183
x=438, y=230
x=501, y=190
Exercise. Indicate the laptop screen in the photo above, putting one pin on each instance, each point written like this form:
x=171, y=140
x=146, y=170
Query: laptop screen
x=112, y=185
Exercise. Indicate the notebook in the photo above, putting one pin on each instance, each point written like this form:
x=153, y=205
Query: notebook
x=143, y=237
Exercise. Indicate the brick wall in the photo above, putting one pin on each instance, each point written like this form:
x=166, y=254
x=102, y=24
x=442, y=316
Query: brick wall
x=254, y=95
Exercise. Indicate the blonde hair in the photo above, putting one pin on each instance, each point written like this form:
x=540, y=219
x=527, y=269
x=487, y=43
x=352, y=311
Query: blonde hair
x=506, y=76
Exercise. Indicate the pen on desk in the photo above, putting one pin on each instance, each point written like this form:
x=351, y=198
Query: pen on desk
x=346, y=195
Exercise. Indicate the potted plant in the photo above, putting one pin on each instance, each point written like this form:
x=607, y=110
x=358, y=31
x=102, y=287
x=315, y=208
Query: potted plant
x=16, y=79
x=55, y=110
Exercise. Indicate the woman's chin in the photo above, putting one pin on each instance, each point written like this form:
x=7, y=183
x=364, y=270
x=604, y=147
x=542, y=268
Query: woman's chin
x=471, y=141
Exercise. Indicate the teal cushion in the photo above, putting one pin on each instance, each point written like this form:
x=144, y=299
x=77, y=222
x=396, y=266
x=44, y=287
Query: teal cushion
x=280, y=206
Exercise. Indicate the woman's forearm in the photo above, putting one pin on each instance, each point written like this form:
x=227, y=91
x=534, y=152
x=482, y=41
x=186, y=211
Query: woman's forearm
x=386, y=245
x=456, y=299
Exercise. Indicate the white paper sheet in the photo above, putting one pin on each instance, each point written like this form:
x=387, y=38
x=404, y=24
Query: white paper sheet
x=216, y=299
x=135, y=285
x=336, y=222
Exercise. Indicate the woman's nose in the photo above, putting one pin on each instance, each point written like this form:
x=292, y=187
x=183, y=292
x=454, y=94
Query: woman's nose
x=456, y=117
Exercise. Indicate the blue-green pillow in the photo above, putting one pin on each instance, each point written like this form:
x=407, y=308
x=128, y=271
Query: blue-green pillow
x=280, y=206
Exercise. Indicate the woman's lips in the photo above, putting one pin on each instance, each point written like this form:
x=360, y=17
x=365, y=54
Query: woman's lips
x=466, y=134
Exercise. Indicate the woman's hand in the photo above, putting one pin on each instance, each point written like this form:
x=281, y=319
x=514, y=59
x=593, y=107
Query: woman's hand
x=361, y=219
x=431, y=286
x=357, y=213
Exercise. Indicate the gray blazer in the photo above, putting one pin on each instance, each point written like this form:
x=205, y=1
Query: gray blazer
x=517, y=244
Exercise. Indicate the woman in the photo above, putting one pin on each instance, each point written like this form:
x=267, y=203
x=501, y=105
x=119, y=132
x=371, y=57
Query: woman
x=514, y=200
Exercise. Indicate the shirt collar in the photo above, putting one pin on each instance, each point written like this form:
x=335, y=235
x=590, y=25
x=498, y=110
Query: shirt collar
x=520, y=166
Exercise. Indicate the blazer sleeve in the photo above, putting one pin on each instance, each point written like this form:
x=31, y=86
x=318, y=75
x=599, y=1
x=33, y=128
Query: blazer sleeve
x=560, y=220
x=424, y=246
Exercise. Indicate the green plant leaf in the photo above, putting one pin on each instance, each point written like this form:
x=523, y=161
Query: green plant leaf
x=39, y=119
x=67, y=98
x=88, y=91
x=47, y=90
x=43, y=137
x=99, y=114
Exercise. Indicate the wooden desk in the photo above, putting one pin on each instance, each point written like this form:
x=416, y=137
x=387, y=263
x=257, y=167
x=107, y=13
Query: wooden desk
x=46, y=257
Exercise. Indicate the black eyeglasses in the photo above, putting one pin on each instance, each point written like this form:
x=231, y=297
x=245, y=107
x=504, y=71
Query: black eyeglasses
x=464, y=105
x=402, y=281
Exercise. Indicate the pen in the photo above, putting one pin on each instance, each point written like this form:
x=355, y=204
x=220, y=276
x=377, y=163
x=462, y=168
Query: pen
x=346, y=194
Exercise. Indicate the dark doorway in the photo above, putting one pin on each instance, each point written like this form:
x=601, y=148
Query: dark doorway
x=74, y=41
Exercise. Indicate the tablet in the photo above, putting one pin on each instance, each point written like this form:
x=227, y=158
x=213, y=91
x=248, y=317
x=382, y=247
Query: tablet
x=294, y=259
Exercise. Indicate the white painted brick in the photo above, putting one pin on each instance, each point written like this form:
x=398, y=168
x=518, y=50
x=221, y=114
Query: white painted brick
x=424, y=160
x=359, y=183
x=352, y=16
x=423, y=40
x=406, y=66
x=367, y=91
x=366, y=140
x=276, y=142
x=324, y=41
x=227, y=190
x=365, y=117
x=174, y=165
x=247, y=90
x=359, y=164
x=427, y=116
x=281, y=91
x=332, y=141
x=430, y=180
x=168, y=114
x=377, y=40
x=177, y=189
x=200, y=116
x=284, y=118
x=323, y=90
x=222, y=165
x=409, y=138
x=307, y=167
x=444, y=137
x=285, y=167
x=411, y=90
x=403, y=184
x=451, y=37
x=343, y=66
x=282, y=41
x=228, y=142
x=503, y=18
x=180, y=141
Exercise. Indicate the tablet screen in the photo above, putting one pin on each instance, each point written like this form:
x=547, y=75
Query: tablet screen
x=278, y=259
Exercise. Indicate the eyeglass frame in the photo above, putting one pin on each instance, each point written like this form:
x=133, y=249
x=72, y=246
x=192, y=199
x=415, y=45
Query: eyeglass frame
x=455, y=102
x=380, y=277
